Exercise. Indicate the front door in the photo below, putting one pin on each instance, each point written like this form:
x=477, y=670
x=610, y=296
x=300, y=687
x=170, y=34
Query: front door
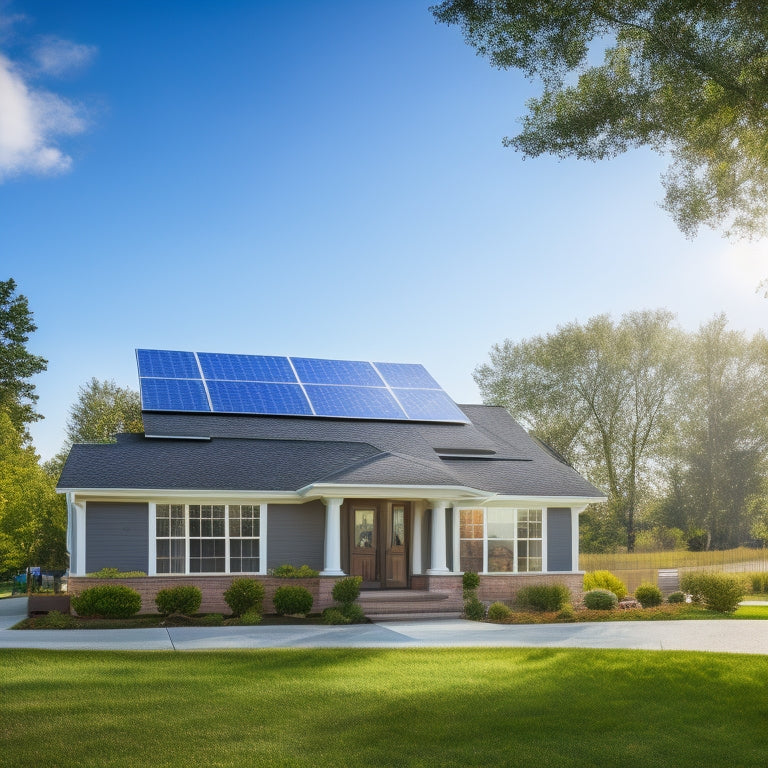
x=378, y=546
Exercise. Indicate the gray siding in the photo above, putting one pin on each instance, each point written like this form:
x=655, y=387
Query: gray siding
x=559, y=534
x=116, y=536
x=296, y=534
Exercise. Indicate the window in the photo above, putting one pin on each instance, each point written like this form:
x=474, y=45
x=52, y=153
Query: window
x=497, y=540
x=207, y=538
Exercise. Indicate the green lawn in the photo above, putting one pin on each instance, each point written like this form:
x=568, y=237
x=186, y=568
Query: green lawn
x=337, y=708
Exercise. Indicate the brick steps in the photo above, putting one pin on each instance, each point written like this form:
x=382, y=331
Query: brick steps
x=404, y=604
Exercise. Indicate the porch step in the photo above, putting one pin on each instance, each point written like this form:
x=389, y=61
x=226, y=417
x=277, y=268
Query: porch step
x=402, y=604
x=415, y=616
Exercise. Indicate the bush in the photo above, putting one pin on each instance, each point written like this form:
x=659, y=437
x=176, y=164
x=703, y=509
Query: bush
x=566, y=613
x=676, y=597
x=347, y=590
x=543, y=597
x=470, y=581
x=292, y=572
x=334, y=616
x=244, y=595
x=758, y=582
x=290, y=600
x=354, y=613
x=719, y=592
x=498, y=611
x=55, y=620
x=474, y=610
x=249, y=619
x=648, y=595
x=605, y=580
x=113, y=573
x=211, y=620
x=184, y=599
x=108, y=601
x=600, y=600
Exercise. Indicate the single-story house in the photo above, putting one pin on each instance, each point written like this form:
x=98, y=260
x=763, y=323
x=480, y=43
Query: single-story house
x=250, y=462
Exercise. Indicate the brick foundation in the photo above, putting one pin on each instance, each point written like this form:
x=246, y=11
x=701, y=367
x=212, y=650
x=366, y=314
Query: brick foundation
x=212, y=587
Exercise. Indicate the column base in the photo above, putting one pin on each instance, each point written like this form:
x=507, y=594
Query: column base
x=332, y=573
x=438, y=572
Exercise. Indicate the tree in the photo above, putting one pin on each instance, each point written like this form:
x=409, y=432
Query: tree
x=101, y=411
x=721, y=443
x=684, y=77
x=17, y=364
x=600, y=394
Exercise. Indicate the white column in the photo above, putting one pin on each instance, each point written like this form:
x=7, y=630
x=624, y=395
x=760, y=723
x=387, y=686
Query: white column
x=152, y=540
x=263, y=538
x=80, y=538
x=332, y=538
x=456, y=541
x=439, y=565
x=418, y=519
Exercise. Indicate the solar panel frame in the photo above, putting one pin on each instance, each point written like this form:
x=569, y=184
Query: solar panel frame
x=167, y=364
x=163, y=394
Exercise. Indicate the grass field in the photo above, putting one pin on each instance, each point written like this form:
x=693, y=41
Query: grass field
x=469, y=707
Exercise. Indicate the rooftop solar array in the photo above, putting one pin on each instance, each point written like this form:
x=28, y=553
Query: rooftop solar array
x=291, y=386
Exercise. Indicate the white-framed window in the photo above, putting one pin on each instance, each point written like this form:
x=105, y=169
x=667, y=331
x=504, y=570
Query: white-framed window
x=501, y=540
x=208, y=538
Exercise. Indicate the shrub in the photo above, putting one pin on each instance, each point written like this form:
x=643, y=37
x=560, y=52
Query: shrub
x=474, y=610
x=543, y=597
x=605, y=580
x=108, y=601
x=758, y=582
x=719, y=592
x=498, y=611
x=244, y=595
x=347, y=590
x=55, y=620
x=249, y=619
x=211, y=620
x=292, y=572
x=184, y=599
x=334, y=616
x=354, y=613
x=470, y=581
x=648, y=595
x=676, y=597
x=113, y=573
x=289, y=600
x=600, y=600
x=566, y=613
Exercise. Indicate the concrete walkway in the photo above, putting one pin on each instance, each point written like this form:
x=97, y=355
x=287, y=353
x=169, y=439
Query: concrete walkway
x=736, y=636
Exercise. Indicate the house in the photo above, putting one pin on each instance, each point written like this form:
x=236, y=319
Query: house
x=369, y=469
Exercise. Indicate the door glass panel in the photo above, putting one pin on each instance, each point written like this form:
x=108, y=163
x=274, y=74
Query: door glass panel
x=364, y=535
x=398, y=526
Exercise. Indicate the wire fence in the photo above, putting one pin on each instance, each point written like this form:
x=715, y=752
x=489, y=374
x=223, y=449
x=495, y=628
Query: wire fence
x=639, y=567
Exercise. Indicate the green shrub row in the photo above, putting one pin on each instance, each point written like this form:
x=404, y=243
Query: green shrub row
x=108, y=601
x=182, y=599
x=292, y=572
x=721, y=592
x=113, y=573
x=292, y=600
x=543, y=597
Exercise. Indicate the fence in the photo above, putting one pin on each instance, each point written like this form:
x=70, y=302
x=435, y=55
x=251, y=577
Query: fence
x=638, y=567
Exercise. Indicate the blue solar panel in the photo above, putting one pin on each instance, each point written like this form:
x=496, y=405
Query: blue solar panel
x=346, y=372
x=407, y=375
x=258, y=397
x=246, y=368
x=354, y=402
x=164, y=364
x=429, y=405
x=173, y=395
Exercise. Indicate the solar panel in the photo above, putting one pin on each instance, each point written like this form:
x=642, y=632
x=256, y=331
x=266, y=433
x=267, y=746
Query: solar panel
x=246, y=368
x=291, y=386
x=173, y=395
x=406, y=375
x=163, y=364
x=354, y=402
x=258, y=397
x=342, y=372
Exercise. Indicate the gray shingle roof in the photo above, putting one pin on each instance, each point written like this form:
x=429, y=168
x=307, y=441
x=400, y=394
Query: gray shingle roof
x=265, y=453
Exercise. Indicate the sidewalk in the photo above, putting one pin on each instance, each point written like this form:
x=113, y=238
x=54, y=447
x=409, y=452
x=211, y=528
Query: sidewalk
x=736, y=636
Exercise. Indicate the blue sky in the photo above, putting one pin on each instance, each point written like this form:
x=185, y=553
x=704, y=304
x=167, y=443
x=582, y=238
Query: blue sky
x=320, y=179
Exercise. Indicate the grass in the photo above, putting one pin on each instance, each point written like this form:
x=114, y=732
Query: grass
x=678, y=558
x=6, y=588
x=339, y=708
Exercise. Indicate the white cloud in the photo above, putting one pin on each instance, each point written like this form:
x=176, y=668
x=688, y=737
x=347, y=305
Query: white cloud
x=55, y=56
x=29, y=122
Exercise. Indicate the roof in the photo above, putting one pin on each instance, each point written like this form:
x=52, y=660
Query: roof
x=213, y=452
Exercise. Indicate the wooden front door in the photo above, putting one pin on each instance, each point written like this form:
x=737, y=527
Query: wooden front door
x=378, y=545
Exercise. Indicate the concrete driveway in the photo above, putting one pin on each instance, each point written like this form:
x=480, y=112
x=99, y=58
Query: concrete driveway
x=735, y=636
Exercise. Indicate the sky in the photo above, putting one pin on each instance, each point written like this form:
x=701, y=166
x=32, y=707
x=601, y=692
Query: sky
x=317, y=179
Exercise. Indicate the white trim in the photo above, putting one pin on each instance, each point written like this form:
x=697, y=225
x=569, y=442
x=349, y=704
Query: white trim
x=332, y=548
x=263, y=539
x=575, y=512
x=544, y=539
x=417, y=527
x=80, y=537
x=205, y=383
x=456, y=540
x=301, y=384
x=437, y=560
x=152, y=545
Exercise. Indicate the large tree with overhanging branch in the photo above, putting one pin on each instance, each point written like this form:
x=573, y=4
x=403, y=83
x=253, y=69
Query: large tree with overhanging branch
x=687, y=78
